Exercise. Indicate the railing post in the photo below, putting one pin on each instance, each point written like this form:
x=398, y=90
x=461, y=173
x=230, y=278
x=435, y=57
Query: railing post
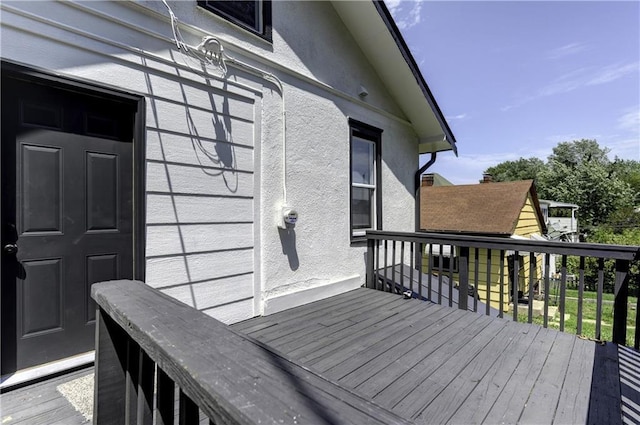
x=110, y=371
x=621, y=293
x=370, y=263
x=463, y=287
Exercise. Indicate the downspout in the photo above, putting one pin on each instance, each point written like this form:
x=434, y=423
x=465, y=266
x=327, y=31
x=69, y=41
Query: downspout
x=419, y=173
x=417, y=186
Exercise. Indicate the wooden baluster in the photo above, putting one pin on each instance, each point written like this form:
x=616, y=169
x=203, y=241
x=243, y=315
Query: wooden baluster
x=620, y=304
x=488, y=297
x=636, y=342
x=386, y=264
x=563, y=291
x=599, y=298
x=532, y=269
x=501, y=295
x=393, y=267
x=440, y=276
x=547, y=272
x=402, y=266
x=421, y=249
x=516, y=281
x=450, y=276
x=430, y=273
x=580, y=296
x=145, y=389
x=165, y=397
x=189, y=413
x=476, y=270
x=463, y=288
x=377, y=274
x=412, y=264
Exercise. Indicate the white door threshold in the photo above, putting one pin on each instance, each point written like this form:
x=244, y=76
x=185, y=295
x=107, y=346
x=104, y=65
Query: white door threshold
x=39, y=372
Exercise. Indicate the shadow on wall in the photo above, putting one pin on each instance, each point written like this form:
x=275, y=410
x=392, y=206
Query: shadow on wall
x=221, y=160
x=288, y=241
x=213, y=153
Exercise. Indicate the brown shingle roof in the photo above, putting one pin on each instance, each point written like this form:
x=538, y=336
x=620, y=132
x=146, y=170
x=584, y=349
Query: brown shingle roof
x=492, y=208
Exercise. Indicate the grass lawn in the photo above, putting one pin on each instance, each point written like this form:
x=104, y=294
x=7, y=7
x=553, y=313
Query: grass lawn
x=573, y=293
x=588, y=317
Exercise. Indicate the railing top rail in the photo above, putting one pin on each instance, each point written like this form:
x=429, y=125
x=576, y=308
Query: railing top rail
x=618, y=252
x=230, y=376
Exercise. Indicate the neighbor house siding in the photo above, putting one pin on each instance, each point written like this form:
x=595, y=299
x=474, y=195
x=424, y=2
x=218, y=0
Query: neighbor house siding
x=528, y=224
x=528, y=221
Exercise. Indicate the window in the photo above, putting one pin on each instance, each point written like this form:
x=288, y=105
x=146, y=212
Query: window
x=254, y=16
x=366, y=203
x=442, y=257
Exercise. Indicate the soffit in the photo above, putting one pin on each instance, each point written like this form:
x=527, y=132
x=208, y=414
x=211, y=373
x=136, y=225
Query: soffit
x=376, y=40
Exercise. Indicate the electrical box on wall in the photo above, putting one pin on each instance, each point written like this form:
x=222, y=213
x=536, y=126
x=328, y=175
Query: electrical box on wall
x=288, y=218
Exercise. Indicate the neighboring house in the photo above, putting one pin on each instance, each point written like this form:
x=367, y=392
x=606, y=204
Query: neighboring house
x=505, y=209
x=167, y=147
x=435, y=179
x=561, y=219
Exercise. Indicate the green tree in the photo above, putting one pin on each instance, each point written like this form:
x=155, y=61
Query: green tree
x=581, y=173
x=629, y=171
x=578, y=172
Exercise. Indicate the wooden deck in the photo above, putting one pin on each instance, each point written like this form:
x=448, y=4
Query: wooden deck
x=45, y=402
x=425, y=362
x=436, y=364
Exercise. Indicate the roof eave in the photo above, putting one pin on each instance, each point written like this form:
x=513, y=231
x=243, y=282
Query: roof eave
x=380, y=40
x=448, y=136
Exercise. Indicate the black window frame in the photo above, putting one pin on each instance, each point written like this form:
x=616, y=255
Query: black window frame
x=372, y=134
x=264, y=32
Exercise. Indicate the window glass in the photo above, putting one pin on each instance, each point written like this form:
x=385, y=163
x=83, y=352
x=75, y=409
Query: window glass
x=362, y=208
x=363, y=161
x=246, y=12
x=254, y=16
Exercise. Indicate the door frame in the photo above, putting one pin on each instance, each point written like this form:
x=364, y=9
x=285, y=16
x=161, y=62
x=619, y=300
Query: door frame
x=33, y=75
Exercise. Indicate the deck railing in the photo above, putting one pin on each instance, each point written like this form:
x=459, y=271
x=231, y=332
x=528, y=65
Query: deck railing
x=154, y=352
x=501, y=275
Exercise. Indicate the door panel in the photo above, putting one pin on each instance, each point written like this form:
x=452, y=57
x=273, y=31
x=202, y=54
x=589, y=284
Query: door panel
x=67, y=203
x=41, y=188
x=102, y=191
x=41, y=293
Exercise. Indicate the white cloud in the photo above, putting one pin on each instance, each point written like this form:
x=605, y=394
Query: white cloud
x=392, y=5
x=625, y=148
x=406, y=14
x=456, y=117
x=612, y=73
x=630, y=121
x=566, y=50
x=578, y=79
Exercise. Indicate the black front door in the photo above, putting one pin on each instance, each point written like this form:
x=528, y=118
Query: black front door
x=67, y=216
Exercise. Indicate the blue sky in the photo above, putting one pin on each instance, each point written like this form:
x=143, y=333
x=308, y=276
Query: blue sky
x=514, y=78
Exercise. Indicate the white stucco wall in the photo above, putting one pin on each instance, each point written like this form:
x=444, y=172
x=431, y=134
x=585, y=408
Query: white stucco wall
x=231, y=260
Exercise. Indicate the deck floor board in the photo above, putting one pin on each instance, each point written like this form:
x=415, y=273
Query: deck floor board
x=301, y=335
x=403, y=375
x=456, y=389
x=41, y=403
x=482, y=398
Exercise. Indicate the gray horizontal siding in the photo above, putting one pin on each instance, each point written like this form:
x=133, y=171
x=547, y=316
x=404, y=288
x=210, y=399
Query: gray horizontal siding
x=200, y=141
